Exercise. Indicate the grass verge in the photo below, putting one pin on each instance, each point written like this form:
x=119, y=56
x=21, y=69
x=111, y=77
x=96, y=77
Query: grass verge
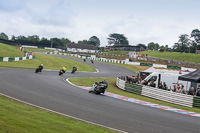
x=187, y=57
x=19, y=118
x=114, y=89
x=10, y=51
x=36, y=49
x=50, y=62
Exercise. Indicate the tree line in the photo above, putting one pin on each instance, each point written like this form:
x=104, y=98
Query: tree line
x=186, y=43
x=52, y=42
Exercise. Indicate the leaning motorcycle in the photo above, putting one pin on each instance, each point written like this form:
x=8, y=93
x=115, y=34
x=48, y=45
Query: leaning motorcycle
x=100, y=88
x=61, y=71
x=73, y=70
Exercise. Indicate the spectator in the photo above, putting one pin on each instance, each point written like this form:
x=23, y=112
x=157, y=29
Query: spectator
x=178, y=90
x=198, y=92
x=160, y=86
x=178, y=87
x=191, y=91
x=152, y=84
x=170, y=89
x=183, y=90
x=174, y=88
x=164, y=86
x=145, y=82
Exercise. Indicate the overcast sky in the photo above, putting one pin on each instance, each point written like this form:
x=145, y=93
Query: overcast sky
x=141, y=21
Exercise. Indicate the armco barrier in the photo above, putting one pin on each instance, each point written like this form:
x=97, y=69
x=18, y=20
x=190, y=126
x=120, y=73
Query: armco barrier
x=196, y=102
x=120, y=83
x=10, y=59
x=162, y=95
x=168, y=96
x=134, y=88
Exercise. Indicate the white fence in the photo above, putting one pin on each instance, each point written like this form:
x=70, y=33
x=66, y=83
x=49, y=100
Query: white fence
x=120, y=83
x=168, y=96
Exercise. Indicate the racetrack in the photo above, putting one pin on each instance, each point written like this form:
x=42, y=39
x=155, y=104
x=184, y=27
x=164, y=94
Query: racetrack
x=48, y=90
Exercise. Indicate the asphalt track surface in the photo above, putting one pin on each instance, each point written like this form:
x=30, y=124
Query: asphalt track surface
x=48, y=90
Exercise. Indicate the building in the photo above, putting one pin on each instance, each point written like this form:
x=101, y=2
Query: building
x=81, y=48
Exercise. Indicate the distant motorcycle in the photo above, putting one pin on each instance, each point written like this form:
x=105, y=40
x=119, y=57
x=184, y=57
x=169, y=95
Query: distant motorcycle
x=61, y=72
x=74, y=70
x=92, y=61
x=84, y=60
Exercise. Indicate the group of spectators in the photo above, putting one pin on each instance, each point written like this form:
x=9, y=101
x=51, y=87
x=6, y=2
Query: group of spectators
x=162, y=85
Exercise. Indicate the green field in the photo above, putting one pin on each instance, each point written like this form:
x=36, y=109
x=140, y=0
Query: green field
x=187, y=57
x=114, y=89
x=117, y=52
x=10, y=51
x=50, y=62
x=36, y=49
x=19, y=118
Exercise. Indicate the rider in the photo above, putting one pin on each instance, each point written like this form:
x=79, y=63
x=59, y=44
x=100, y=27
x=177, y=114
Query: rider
x=40, y=67
x=93, y=86
x=64, y=68
x=97, y=83
x=74, y=68
x=105, y=82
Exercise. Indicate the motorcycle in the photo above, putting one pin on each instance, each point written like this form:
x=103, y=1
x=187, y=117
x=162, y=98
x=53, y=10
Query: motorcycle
x=61, y=72
x=37, y=70
x=92, y=61
x=100, y=88
x=73, y=70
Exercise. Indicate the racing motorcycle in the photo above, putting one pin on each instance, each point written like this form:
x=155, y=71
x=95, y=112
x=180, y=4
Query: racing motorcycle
x=74, y=70
x=61, y=72
x=37, y=70
x=99, y=88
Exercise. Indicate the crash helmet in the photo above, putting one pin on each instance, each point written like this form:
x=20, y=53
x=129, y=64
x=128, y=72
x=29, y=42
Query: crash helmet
x=41, y=64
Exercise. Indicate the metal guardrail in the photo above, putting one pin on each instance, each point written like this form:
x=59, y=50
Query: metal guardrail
x=159, y=94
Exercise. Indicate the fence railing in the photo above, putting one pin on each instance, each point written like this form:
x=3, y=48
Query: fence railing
x=159, y=94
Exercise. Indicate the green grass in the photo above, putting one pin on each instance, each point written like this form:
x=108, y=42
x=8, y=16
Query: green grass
x=10, y=51
x=19, y=118
x=50, y=62
x=117, y=52
x=37, y=49
x=187, y=57
x=114, y=89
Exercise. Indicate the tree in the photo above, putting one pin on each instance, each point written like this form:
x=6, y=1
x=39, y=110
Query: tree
x=45, y=41
x=21, y=39
x=153, y=46
x=196, y=35
x=65, y=41
x=117, y=39
x=95, y=41
x=3, y=36
x=183, y=44
x=13, y=38
x=84, y=42
x=34, y=38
